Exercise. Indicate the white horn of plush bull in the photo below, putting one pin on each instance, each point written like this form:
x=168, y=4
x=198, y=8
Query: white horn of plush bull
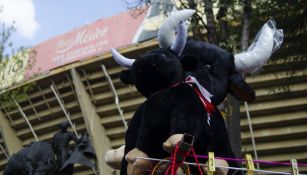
x=181, y=39
x=121, y=60
x=266, y=42
x=166, y=35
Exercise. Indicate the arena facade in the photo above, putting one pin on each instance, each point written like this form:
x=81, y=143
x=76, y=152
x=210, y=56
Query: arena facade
x=74, y=76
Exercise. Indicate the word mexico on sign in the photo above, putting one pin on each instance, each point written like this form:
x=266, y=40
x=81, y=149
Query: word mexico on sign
x=85, y=42
x=64, y=50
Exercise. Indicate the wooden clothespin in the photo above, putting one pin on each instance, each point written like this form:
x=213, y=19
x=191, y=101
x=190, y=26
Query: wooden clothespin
x=294, y=167
x=249, y=164
x=211, y=163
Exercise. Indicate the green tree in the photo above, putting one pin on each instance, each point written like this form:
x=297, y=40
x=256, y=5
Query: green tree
x=5, y=43
x=13, y=63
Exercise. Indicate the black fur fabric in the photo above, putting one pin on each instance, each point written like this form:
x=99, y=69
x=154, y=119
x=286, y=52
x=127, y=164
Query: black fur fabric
x=216, y=72
x=176, y=109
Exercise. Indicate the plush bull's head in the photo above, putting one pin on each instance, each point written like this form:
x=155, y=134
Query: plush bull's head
x=156, y=69
x=217, y=70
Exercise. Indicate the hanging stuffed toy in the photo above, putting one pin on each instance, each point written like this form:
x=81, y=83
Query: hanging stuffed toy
x=183, y=82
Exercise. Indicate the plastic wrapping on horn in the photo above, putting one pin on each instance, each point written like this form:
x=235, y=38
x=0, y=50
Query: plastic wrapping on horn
x=267, y=41
x=121, y=60
x=166, y=35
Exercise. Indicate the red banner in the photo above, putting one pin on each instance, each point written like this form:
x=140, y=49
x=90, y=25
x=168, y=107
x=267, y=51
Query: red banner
x=85, y=42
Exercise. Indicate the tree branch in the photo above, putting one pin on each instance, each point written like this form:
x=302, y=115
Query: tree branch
x=246, y=23
x=221, y=17
x=210, y=21
x=196, y=19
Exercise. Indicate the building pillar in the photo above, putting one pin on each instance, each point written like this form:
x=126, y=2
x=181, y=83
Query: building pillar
x=97, y=132
x=12, y=142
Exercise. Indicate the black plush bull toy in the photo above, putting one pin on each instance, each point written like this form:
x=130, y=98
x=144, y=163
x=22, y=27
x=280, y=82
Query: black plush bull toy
x=183, y=82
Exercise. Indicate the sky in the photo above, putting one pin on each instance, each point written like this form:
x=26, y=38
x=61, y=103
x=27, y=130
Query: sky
x=39, y=20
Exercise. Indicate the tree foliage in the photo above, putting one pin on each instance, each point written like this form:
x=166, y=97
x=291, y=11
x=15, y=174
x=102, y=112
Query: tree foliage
x=13, y=63
x=5, y=43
